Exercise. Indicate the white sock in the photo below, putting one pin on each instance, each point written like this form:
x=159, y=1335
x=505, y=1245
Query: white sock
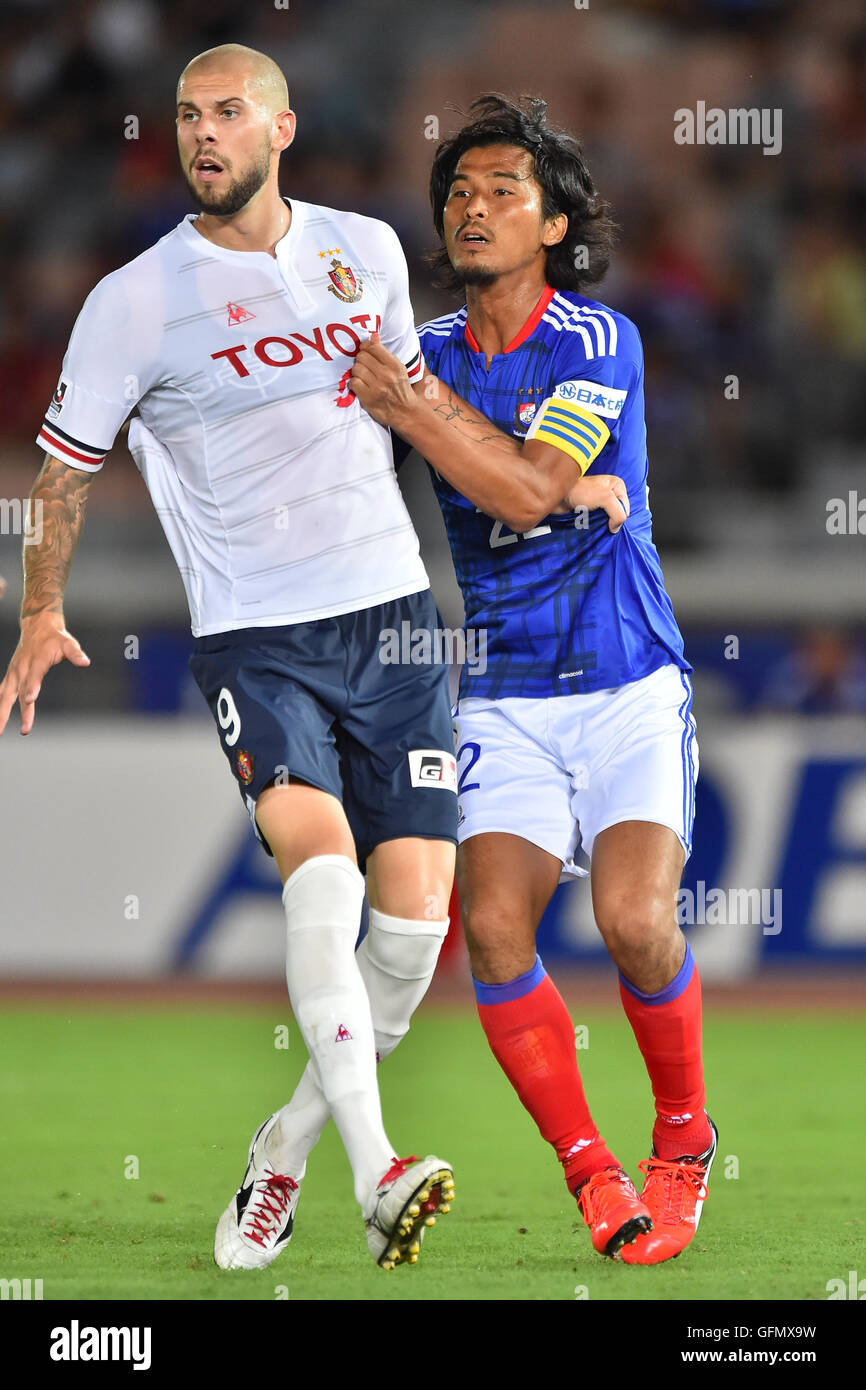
x=396, y=959
x=323, y=900
x=299, y=1127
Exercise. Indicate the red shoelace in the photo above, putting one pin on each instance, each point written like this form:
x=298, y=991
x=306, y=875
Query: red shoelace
x=397, y=1169
x=601, y=1191
x=276, y=1193
x=678, y=1180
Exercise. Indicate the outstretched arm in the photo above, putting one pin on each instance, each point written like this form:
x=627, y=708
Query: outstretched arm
x=519, y=484
x=58, y=504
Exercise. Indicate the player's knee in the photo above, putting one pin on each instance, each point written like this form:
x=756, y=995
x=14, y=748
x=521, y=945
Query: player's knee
x=402, y=948
x=481, y=927
x=325, y=892
x=638, y=935
x=499, y=948
x=300, y=823
x=397, y=960
x=412, y=878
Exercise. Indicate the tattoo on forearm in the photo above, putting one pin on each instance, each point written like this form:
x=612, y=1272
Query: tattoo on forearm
x=455, y=412
x=63, y=493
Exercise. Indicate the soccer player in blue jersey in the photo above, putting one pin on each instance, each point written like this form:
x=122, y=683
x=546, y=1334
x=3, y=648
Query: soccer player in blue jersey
x=580, y=731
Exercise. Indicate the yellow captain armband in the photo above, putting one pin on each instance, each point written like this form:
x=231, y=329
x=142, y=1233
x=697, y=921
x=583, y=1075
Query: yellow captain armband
x=572, y=428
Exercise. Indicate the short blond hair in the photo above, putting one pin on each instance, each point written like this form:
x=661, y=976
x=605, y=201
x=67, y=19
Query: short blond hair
x=263, y=78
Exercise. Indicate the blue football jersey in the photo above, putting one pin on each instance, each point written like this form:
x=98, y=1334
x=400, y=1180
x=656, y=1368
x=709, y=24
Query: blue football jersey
x=567, y=608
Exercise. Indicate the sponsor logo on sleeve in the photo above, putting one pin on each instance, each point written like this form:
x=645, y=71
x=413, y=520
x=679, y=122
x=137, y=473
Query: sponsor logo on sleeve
x=57, y=400
x=432, y=767
x=601, y=400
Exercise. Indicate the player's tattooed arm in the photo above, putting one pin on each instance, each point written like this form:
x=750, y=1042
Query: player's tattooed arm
x=460, y=415
x=514, y=483
x=597, y=491
x=57, y=508
x=58, y=501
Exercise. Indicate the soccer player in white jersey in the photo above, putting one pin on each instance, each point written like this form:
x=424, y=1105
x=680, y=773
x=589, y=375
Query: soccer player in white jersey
x=232, y=337
x=580, y=730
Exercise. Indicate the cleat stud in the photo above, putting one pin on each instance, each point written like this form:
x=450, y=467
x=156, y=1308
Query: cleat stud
x=413, y=1259
x=394, y=1254
x=415, y=1248
x=414, y=1210
x=444, y=1207
x=429, y=1220
x=423, y=1196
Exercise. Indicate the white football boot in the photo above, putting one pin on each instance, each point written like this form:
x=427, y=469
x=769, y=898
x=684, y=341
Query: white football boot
x=404, y=1203
x=256, y=1226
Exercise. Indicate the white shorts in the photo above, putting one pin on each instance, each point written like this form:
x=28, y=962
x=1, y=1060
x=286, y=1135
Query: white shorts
x=557, y=772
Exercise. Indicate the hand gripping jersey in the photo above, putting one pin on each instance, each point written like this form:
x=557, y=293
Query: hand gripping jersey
x=276, y=491
x=568, y=608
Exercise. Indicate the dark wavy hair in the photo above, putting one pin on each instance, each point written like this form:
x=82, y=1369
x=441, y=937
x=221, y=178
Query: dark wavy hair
x=560, y=169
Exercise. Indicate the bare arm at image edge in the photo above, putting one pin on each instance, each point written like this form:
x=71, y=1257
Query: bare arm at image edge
x=58, y=503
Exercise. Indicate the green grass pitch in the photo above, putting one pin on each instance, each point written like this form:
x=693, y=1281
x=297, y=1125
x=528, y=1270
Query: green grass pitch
x=89, y=1095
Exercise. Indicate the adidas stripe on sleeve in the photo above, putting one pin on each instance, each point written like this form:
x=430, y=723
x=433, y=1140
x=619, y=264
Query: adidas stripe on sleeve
x=597, y=362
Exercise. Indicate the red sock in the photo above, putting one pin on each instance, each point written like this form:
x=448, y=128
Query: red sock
x=667, y=1027
x=532, y=1038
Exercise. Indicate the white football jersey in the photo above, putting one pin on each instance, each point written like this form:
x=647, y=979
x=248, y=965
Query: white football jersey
x=276, y=490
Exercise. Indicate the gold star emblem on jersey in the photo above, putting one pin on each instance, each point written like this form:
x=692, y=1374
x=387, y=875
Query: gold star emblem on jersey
x=344, y=282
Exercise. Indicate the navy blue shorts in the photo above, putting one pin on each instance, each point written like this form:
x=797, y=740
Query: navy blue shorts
x=326, y=703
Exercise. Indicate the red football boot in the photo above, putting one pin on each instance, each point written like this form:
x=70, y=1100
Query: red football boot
x=675, y=1192
x=612, y=1210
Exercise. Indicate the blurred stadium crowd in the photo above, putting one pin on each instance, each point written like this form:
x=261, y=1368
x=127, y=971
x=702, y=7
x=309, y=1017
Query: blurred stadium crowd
x=732, y=263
